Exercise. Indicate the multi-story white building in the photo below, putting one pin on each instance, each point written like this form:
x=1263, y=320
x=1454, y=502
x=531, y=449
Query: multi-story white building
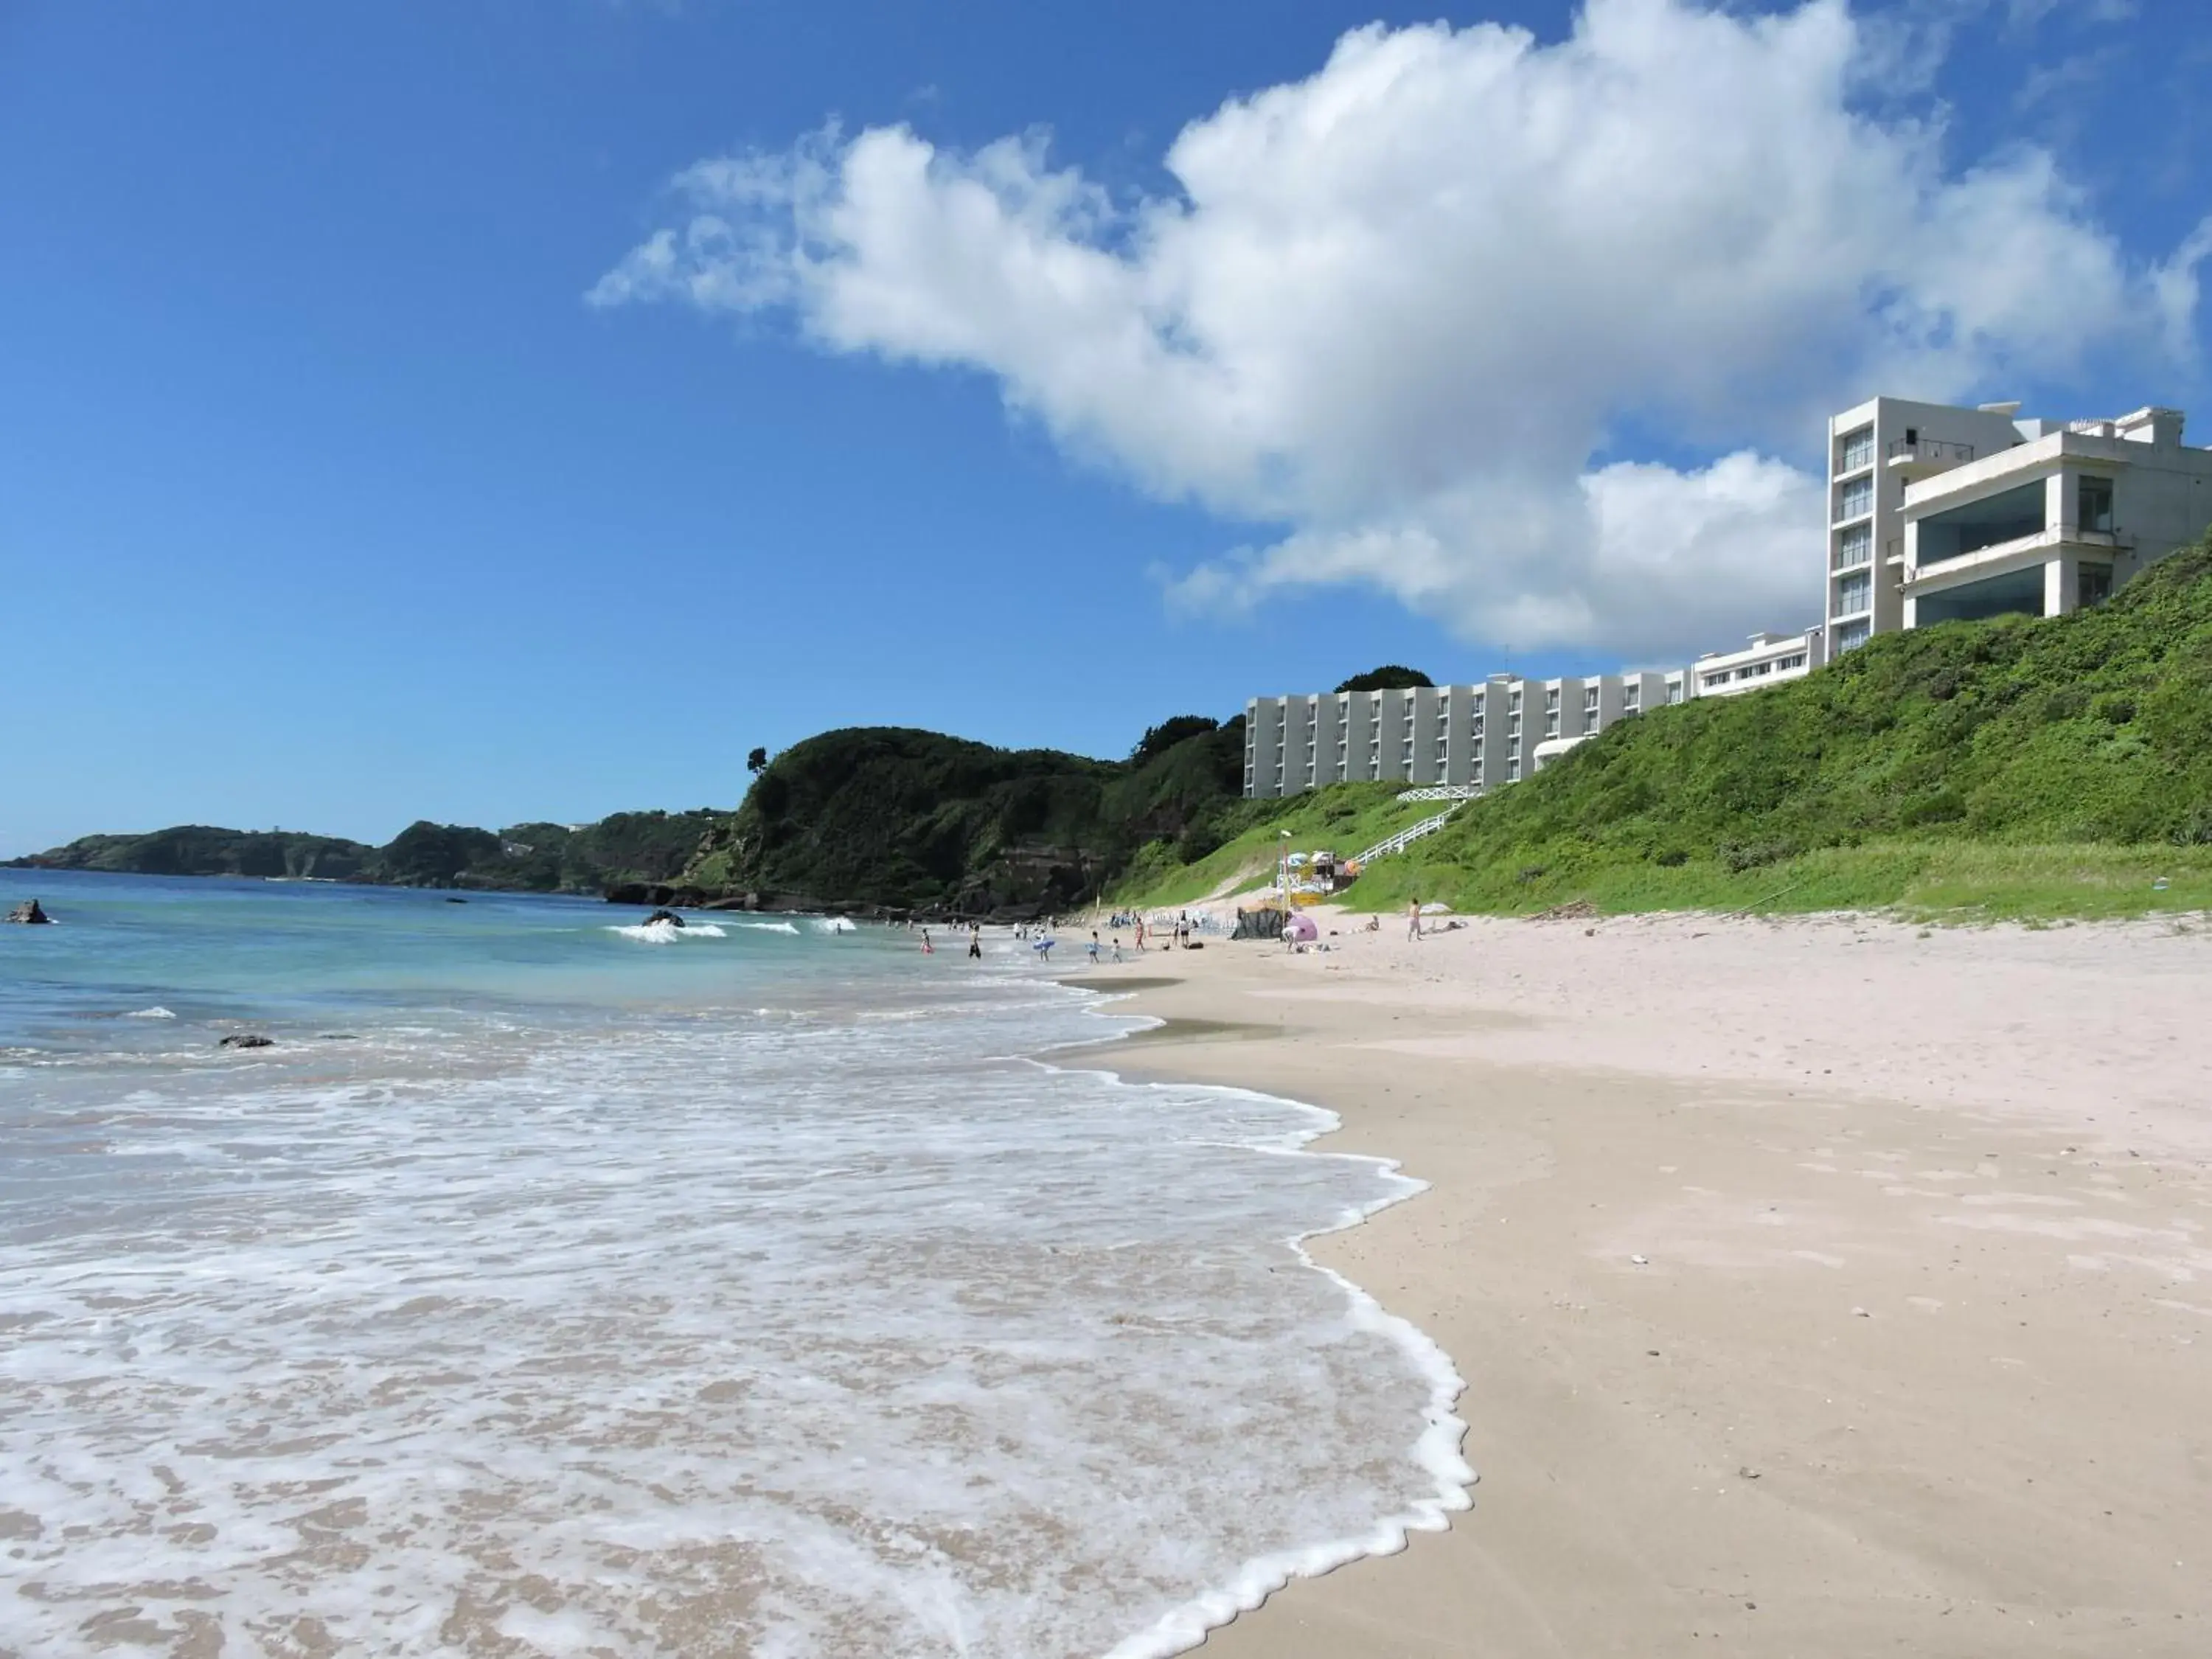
x=1768, y=658
x=1874, y=451
x=1477, y=736
x=2055, y=522
x=1938, y=514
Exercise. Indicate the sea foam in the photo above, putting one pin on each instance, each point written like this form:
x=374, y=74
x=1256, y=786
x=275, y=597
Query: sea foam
x=667, y=933
x=790, y=1336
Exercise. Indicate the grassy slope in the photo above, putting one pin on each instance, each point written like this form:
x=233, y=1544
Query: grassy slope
x=2024, y=767
x=1344, y=817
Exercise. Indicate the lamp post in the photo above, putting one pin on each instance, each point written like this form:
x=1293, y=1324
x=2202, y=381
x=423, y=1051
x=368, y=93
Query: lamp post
x=1283, y=871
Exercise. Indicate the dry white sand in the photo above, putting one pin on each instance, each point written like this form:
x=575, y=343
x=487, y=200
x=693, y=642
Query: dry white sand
x=1918, y=1358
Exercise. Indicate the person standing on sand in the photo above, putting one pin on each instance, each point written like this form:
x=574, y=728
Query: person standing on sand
x=1094, y=947
x=1413, y=918
x=974, y=940
x=1140, y=935
x=1117, y=947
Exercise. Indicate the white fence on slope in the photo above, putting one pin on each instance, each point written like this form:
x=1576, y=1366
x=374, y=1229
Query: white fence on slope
x=1407, y=838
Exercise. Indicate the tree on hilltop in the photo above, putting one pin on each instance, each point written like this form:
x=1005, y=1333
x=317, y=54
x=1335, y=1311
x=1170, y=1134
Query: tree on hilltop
x=1391, y=677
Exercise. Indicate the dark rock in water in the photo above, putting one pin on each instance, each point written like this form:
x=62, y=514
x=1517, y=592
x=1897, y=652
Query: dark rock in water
x=457, y=901
x=246, y=1040
x=668, y=916
x=29, y=912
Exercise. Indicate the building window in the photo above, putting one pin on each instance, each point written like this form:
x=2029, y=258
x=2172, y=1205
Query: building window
x=1551, y=724
x=1855, y=547
x=2094, y=500
x=1590, y=699
x=1852, y=634
x=2095, y=585
x=1854, y=594
x=1783, y=665
x=1719, y=677
x=1854, y=499
x=1859, y=450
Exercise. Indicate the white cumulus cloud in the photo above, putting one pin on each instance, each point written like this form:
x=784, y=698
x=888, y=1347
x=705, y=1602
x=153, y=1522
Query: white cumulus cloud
x=1419, y=310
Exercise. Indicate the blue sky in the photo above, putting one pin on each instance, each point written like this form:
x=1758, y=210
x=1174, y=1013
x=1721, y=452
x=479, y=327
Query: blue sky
x=328, y=501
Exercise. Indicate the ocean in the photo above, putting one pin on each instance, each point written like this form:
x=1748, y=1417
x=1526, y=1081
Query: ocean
x=558, y=1286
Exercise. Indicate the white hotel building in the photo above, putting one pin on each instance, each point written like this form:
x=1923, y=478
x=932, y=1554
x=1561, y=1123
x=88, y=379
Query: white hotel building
x=1935, y=513
x=1940, y=514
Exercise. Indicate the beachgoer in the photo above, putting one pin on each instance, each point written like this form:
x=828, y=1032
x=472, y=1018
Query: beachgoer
x=975, y=938
x=1117, y=947
x=927, y=949
x=1043, y=947
x=1412, y=919
x=1140, y=933
x=1094, y=947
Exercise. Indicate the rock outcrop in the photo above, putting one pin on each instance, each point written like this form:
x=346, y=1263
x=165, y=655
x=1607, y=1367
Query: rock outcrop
x=29, y=913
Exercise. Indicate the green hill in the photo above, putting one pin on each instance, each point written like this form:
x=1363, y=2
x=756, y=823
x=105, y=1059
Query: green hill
x=909, y=819
x=2024, y=766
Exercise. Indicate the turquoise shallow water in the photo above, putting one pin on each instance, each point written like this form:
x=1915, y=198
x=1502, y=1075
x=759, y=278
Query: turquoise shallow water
x=555, y=1286
x=296, y=955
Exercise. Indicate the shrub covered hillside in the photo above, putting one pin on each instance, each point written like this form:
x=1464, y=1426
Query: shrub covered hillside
x=1897, y=773
x=909, y=819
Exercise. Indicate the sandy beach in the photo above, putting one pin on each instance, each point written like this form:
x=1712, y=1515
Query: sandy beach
x=1827, y=1286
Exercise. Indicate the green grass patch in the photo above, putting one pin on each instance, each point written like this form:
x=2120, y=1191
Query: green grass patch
x=1949, y=881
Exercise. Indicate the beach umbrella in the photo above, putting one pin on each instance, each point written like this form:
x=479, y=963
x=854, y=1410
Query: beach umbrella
x=1300, y=928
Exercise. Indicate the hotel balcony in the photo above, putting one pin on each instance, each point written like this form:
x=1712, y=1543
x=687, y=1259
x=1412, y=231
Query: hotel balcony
x=1914, y=459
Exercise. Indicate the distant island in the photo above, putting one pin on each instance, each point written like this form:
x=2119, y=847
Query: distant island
x=531, y=858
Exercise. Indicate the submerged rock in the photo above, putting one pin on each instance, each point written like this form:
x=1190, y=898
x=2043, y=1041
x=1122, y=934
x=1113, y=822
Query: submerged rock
x=668, y=916
x=246, y=1040
x=29, y=912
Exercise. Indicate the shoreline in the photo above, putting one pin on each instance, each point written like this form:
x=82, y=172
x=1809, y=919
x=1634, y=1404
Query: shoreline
x=1917, y=1358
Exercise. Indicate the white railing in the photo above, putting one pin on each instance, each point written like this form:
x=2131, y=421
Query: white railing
x=1443, y=792
x=1405, y=838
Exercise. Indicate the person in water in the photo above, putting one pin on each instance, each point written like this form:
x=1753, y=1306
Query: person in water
x=974, y=939
x=927, y=949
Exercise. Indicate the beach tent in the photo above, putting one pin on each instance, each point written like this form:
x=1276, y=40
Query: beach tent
x=1301, y=929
